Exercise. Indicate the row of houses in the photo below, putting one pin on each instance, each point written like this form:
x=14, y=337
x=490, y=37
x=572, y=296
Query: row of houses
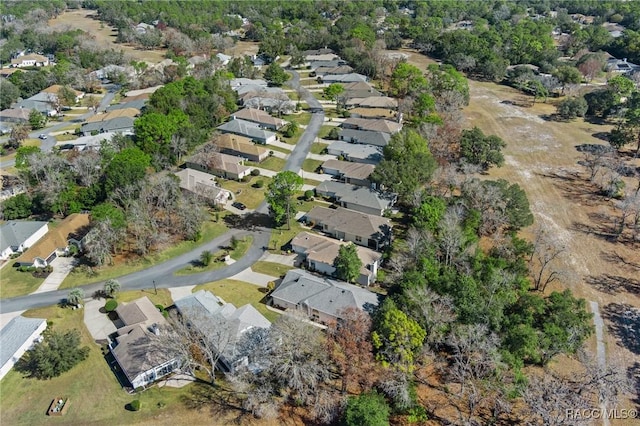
x=45, y=102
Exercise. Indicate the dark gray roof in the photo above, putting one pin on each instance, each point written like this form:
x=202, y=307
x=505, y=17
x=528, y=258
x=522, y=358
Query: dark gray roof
x=357, y=152
x=15, y=334
x=39, y=106
x=355, y=194
x=246, y=128
x=15, y=232
x=137, y=104
x=322, y=294
x=113, y=125
x=365, y=137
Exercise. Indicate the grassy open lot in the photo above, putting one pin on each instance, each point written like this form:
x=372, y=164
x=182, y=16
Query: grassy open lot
x=240, y=250
x=300, y=117
x=309, y=165
x=271, y=268
x=318, y=148
x=245, y=193
x=272, y=163
x=210, y=230
x=240, y=293
x=15, y=283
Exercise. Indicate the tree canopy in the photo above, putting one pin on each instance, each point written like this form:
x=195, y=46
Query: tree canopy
x=482, y=150
x=280, y=196
x=57, y=353
x=347, y=263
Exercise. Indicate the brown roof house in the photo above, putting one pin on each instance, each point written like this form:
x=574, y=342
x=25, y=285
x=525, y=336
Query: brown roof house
x=240, y=146
x=30, y=60
x=379, y=125
x=373, y=102
x=320, y=252
x=349, y=172
x=262, y=118
x=135, y=347
x=221, y=165
x=362, y=229
x=354, y=197
x=57, y=241
x=55, y=89
x=204, y=185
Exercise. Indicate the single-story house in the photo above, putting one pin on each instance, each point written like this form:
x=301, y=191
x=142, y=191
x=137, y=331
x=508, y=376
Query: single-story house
x=359, y=89
x=42, y=107
x=119, y=124
x=105, y=72
x=30, y=60
x=379, y=125
x=15, y=115
x=621, y=66
x=263, y=119
x=224, y=324
x=341, y=78
x=18, y=235
x=349, y=225
x=280, y=104
x=57, y=241
x=249, y=130
x=321, y=51
x=224, y=59
x=320, y=252
x=253, y=90
x=53, y=90
x=361, y=112
x=349, y=172
x=90, y=142
x=148, y=91
x=135, y=347
x=223, y=165
x=373, y=102
x=340, y=69
x=322, y=299
x=237, y=82
x=366, y=137
x=321, y=57
x=358, y=153
x=203, y=184
x=354, y=197
x=17, y=337
x=328, y=64
x=240, y=146
x=115, y=113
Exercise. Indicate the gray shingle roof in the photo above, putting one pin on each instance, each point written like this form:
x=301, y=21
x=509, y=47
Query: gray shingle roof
x=357, y=152
x=15, y=334
x=117, y=124
x=365, y=137
x=15, y=232
x=246, y=128
x=354, y=194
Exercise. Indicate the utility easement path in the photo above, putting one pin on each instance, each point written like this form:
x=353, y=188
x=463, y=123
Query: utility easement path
x=600, y=350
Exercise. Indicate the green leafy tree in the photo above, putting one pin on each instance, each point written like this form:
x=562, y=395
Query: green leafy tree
x=18, y=134
x=75, y=296
x=9, y=93
x=573, y=107
x=347, y=263
x=111, y=287
x=482, y=150
x=517, y=206
x=397, y=338
x=333, y=92
x=407, y=164
x=290, y=129
x=628, y=129
x=66, y=96
x=16, y=207
x=621, y=85
x=22, y=156
x=154, y=131
x=444, y=78
x=280, y=196
x=406, y=79
x=275, y=75
x=206, y=257
x=567, y=75
x=367, y=409
x=107, y=210
x=429, y=214
x=56, y=354
x=37, y=120
x=126, y=167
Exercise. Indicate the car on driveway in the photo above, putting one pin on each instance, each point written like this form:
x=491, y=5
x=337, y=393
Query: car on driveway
x=239, y=205
x=42, y=136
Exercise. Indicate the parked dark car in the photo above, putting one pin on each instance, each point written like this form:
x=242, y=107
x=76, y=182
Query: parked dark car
x=239, y=205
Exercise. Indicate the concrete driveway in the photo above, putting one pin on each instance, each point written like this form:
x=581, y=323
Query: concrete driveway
x=62, y=266
x=98, y=324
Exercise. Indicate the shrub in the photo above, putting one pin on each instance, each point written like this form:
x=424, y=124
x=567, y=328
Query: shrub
x=111, y=305
x=572, y=107
x=345, y=113
x=135, y=405
x=333, y=134
x=245, y=178
x=259, y=184
x=308, y=194
x=255, y=172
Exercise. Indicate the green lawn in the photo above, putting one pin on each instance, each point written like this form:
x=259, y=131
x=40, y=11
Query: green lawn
x=245, y=193
x=324, y=131
x=311, y=182
x=271, y=268
x=95, y=396
x=318, y=148
x=210, y=230
x=300, y=117
x=310, y=165
x=15, y=283
x=66, y=137
x=293, y=139
x=240, y=293
x=216, y=262
x=162, y=298
x=282, y=236
x=26, y=142
x=280, y=149
x=272, y=163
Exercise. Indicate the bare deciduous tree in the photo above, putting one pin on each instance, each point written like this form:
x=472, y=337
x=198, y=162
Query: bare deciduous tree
x=544, y=258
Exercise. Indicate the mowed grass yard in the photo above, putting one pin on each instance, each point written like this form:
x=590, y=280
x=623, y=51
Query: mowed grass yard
x=15, y=283
x=272, y=163
x=240, y=293
x=245, y=193
x=215, y=263
x=271, y=268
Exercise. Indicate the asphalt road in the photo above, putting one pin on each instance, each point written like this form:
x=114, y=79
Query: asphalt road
x=162, y=274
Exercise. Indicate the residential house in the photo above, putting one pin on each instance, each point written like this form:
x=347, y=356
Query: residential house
x=138, y=104
x=17, y=337
x=109, y=70
x=367, y=154
x=312, y=65
x=354, y=197
x=238, y=82
x=359, y=89
x=204, y=185
x=364, y=137
x=6, y=72
x=119, y=124
x=115, y=113
x=147, y=91
x=362, y=112
x=222, y=165
x=373, y=102
x=89, y=142
x=53, y=90
x=322, y=299
x=15, y=115
x=314, y=52
x=320, y=252
x=56, y=242
x=261, y=118
x=253, y=90
x=322, y=57
x=249, y=130
x=272, y=104
x=349, y=172
x=224, y=59
x=45, y=108
x=135, y=347
x=343, y=224
x=342, y=78
x=30, y=60
x=18, y=235
x=340, y=69
x=142, y=28
x=224, y=324
x=379, y=125
x=621, y=66
x=240, y=146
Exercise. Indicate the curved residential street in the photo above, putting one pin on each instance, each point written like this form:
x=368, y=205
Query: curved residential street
x=162, y=274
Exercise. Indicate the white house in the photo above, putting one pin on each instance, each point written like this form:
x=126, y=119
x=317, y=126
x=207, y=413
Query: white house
x=18, y=235
x=18, y=336
x=30, y=60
